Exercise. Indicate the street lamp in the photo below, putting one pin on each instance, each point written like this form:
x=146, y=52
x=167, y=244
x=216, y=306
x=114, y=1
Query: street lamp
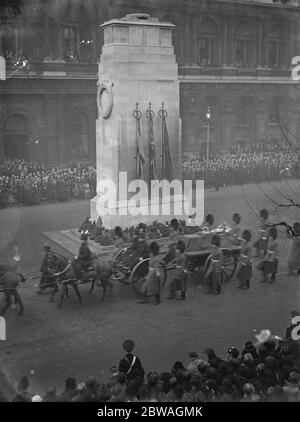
x=208, y=116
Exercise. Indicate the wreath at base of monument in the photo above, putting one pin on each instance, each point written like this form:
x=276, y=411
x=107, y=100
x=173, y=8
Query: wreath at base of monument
x=105, y=99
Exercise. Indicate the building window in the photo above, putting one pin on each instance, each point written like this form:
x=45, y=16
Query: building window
x=276, y=53
x=244, y=53
x=207, y=44
x=70, y=44
x=204, y=51
x=244, y=44
x=277, y=45
x=9, y=40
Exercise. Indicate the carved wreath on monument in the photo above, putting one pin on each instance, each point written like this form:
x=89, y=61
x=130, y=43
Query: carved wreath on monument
x=104, y=98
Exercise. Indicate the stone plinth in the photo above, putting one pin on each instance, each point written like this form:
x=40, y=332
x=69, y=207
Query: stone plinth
x=137, y=65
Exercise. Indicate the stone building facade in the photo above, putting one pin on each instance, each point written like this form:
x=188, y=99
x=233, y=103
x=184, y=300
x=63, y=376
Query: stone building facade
x=234, y=56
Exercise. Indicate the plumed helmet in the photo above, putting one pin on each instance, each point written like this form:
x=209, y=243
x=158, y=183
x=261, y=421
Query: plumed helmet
x=236, y=218
x=210, y=219
x=264, y=214
x=296, y=228
x=246, y=235
x=174, y=223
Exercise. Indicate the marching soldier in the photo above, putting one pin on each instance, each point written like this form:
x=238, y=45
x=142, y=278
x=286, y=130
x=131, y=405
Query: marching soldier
x=244, y=273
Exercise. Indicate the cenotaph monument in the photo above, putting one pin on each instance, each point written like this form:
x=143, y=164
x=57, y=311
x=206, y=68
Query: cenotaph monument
x=137, y=73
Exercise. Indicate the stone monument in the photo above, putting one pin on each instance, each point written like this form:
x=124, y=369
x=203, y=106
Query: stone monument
x=137, y=66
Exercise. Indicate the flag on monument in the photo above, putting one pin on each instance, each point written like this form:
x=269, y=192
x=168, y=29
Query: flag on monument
x=153, y=174
x=140, y=155
x=168, y=168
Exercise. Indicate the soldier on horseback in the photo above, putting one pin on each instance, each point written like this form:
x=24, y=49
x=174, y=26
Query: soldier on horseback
x=10, y=276
x=84, y=261
x=51, y=264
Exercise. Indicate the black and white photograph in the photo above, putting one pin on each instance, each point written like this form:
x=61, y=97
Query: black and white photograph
x=150, y=204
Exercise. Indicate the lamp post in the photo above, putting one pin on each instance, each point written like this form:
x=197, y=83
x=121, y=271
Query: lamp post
x=208, y=116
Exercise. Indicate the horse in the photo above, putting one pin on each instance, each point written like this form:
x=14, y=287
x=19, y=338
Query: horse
x=9, y=281
x=99, y=271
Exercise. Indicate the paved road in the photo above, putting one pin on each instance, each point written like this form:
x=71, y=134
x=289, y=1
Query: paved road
x=50, y=344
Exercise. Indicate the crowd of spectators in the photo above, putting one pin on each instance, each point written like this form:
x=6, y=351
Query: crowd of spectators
x=265, y=372
x=22, y=182
x=250, y=165
x=18, y=61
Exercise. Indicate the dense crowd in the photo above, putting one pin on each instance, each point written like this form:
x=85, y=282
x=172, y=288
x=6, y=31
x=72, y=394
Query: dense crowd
x=268, y=371
x=22, y=182
x=243, y=166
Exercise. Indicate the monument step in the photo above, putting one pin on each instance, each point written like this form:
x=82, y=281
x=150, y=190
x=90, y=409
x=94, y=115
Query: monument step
x=67, y=243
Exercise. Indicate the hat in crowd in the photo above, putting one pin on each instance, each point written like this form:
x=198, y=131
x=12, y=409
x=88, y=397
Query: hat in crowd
x=193, y=355
x=128, y=345
x=293, y=377
x=209, y=352
x=233, y=352
x=178, y=365
x=294, y=314
x=36, y=398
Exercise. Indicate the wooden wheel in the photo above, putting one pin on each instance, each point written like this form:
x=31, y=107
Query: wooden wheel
x=138, y=275
x=229, y=265
x=118, y=274
x=118, y=256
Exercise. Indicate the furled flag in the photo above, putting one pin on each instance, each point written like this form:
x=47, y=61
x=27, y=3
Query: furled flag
x=153, y=174
x=140, y=155
x=167, y=160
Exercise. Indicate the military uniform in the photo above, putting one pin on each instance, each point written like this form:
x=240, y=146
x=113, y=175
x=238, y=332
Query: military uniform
x=262, y=243
x=244, y=272
x=51, y=264
x=151, y=286
x=178, y=281
x=215, y=270
x=270, y=264
x=130, y=365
